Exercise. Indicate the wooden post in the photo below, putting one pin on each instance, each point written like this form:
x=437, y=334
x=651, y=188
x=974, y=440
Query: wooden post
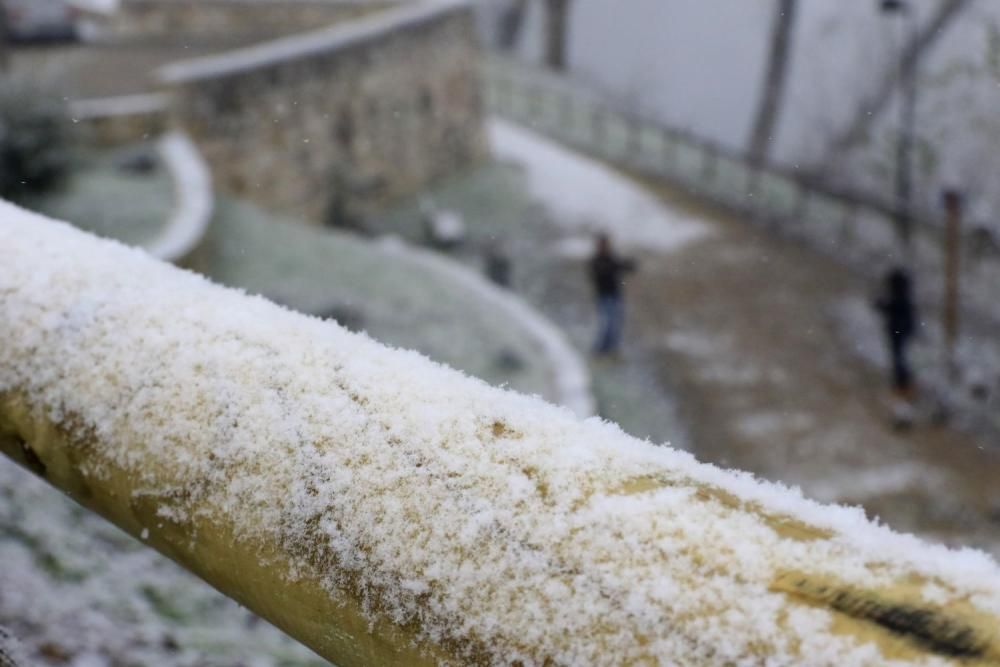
x=952, y=201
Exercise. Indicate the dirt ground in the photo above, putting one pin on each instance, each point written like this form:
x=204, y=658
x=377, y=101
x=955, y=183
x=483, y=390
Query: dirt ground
x=742, y=326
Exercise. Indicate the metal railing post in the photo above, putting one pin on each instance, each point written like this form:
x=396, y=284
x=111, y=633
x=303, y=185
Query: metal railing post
x=598, y=127
x=668, y=144
x=634, y=142
x=709, y=164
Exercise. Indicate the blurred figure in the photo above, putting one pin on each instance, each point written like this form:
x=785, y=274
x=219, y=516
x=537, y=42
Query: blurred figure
x=607, y=273
x=443, y=229
x=895, y=305
x=497, y=263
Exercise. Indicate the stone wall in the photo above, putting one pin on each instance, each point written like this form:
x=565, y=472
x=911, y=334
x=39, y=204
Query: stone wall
x=329, y=125
x=226, y=22
x=121, y=120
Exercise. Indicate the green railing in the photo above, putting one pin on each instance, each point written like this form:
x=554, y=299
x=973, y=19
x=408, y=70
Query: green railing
x=859, y=226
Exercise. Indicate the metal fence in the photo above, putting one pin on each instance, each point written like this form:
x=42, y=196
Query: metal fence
x=859, y=227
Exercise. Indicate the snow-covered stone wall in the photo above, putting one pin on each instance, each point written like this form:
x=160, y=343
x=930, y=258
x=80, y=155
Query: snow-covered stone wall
x=225, y=21
x=327, y=124
x=121, y=120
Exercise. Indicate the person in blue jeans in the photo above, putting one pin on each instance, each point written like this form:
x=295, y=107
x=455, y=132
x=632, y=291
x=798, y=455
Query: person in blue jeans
x=607, y=273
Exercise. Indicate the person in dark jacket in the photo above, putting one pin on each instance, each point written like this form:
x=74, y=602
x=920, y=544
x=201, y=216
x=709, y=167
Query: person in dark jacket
x=899, y=322
x=607, y=272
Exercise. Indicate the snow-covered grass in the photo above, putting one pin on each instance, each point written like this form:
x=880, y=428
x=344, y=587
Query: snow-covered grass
x=78, y=591
x=570, y=376
x=391, y=295
x=108, y=201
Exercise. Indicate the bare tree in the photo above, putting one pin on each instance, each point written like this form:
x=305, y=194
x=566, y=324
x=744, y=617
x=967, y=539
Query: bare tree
x=556, y=31
x=509, y=24
x=874, y=104
x=769, y=109
x=4, y=38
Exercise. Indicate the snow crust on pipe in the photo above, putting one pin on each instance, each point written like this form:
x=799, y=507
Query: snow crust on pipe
x=193, y=199
x=326, y=40
x=491, y=525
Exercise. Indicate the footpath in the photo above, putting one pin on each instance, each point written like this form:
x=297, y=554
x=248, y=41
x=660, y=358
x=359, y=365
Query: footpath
x=744, y=326
x=745, y=336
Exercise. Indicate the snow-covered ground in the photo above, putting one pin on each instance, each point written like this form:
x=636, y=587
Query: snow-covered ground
x=77, y=591
x=587, y=197
x=109, y=201
x=399, y=297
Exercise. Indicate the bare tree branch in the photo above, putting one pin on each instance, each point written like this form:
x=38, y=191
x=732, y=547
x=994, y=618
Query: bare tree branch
x=556, y=30
x=510, y=23
x=874, y=104
x=769, y=108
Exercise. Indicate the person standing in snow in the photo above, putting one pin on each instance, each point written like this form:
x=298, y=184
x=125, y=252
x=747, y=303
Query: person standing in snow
x=607, y=272
x=899, y=323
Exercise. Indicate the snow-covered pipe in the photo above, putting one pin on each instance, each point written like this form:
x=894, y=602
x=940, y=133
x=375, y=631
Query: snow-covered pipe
x=387, y=510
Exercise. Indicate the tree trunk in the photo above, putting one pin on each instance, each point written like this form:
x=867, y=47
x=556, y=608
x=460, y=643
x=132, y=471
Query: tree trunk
x=4, y=39
x=873, y=105
x=509, y=24
x=556, y=29
x=771, y=96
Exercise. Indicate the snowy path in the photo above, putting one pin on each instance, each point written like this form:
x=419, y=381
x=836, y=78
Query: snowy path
x=744, y=326
x=586, y=196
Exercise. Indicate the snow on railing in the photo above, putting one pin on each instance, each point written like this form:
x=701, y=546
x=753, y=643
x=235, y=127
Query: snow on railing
x=326, y=40
x=384, y=509
x=193, y=200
